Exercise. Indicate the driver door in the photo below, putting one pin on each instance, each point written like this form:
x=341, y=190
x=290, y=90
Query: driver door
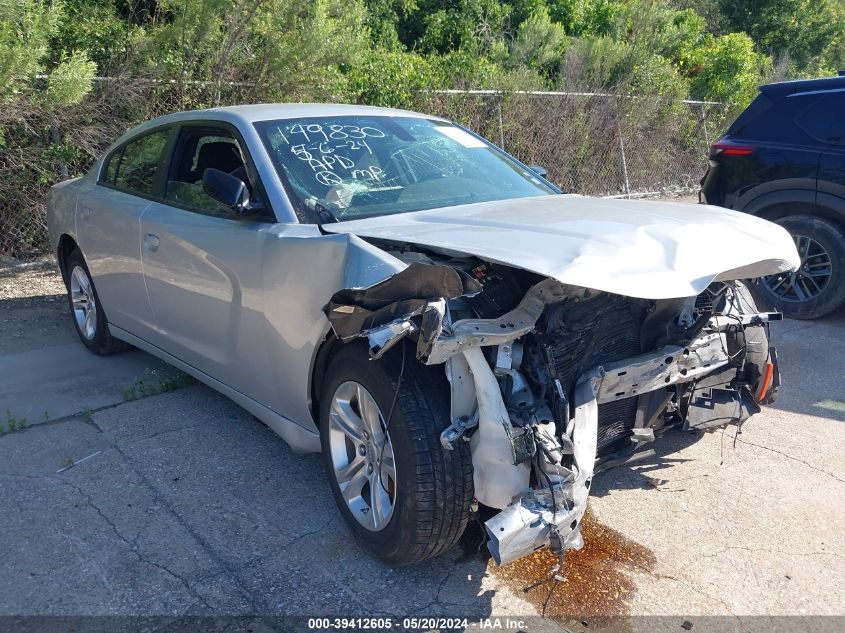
x=202, y=265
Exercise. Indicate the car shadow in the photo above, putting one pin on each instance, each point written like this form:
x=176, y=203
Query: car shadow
x=656, y=456
x=812, y=360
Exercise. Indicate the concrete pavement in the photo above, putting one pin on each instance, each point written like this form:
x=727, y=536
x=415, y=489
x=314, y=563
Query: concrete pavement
x=187, y=505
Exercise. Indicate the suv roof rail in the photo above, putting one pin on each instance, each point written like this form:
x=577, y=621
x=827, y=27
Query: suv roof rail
x=783, y=89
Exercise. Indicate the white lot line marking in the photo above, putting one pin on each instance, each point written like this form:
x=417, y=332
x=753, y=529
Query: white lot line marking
x=79, y=461
x=833, y=405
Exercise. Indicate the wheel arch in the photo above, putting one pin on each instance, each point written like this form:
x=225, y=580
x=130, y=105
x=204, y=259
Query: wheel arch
x=65, y=247
x=325, y=352
x=780, y=204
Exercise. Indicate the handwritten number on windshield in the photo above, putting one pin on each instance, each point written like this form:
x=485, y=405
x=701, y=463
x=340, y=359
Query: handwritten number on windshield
x=320, y=149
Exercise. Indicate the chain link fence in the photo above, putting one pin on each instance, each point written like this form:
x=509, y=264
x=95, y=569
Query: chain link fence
x=593, y=144
x=40, y=147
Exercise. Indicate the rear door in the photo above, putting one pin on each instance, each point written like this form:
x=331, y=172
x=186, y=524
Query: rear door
x=202, y=264
x=108, y=224
x=825, y=121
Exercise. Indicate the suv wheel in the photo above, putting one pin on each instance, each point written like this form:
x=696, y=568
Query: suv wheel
x=403, y=496
x=817, y=288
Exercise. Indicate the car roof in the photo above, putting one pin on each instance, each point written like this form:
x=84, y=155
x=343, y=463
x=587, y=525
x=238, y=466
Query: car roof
x=783, y=89
x=271, y=111
x=253, y=113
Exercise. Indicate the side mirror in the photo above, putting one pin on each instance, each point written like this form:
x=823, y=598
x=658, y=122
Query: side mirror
x=540, y=171
x=227, y=189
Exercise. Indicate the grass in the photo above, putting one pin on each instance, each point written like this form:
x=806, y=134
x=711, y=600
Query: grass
x=88, y=415
x=155, y=383
x=12, y=424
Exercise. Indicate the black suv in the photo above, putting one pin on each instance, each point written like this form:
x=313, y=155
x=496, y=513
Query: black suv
x=783, y=159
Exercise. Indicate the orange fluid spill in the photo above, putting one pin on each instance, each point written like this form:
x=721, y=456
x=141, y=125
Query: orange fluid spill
x=596, y=579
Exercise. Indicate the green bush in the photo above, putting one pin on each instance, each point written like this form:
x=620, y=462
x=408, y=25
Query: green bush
x=387, y=78
x=730, y=70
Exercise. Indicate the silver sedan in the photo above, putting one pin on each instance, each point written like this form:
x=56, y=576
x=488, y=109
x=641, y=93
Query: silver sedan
x=449, y=329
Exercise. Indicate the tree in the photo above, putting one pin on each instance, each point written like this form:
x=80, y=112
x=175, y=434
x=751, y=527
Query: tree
x=440, y=26
x=391, y=78
x=730, y=70
x=539, y=42
x=25, y=29
x=803, y=30
x=93, y=26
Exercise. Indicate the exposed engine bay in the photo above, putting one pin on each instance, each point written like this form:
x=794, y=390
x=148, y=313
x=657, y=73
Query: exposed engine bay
x=551, y=382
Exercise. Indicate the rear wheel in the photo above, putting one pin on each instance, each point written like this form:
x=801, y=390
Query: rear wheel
x=87, y=311
x=403, y=496
x=817, y=288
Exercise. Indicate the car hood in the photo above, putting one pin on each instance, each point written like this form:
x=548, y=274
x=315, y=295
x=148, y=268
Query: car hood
x=650, y=250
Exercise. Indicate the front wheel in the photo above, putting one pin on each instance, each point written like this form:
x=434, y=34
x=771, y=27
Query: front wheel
x=817, y=288
x=403, y=496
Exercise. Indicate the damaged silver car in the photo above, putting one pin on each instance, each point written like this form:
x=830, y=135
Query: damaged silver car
x=445, y=325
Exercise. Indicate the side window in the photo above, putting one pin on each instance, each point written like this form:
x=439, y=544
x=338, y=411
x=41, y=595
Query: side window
x=824, y=120
x=137, y=167
x=198, y=149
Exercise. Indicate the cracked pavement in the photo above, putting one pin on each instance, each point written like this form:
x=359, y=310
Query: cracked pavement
x=188, y=505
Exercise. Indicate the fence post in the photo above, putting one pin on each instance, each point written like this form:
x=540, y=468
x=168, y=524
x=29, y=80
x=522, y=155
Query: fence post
x=500, y=99
x=622, y=151
x=704, y=125
x=55, y=139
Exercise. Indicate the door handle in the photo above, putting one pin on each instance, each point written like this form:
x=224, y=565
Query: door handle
x=151, y=242
x=84, y=213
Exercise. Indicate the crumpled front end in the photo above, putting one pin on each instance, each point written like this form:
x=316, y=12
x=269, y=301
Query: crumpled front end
x=551, y=381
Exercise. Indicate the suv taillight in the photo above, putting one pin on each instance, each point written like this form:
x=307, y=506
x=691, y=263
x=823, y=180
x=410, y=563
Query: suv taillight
x=725, y=147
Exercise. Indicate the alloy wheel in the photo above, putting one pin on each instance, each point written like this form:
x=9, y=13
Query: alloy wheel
x=811, y=278
x=83, y=302
x=362, y=456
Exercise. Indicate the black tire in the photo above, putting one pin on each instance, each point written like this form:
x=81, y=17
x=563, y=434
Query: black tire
x=829, y=237
x=434, y=487
x=101, y=342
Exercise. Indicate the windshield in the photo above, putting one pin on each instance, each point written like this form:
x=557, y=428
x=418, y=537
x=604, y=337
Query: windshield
x=350, y=167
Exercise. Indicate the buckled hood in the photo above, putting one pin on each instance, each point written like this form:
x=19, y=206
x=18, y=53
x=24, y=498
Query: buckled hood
x=649, y=250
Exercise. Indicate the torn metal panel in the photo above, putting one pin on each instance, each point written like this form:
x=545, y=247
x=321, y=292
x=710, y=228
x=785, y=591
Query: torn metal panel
x=468, y=333
x=384, y=338
x=537, y=410
x=354, y=311
x=417, y=281
x=362, y=311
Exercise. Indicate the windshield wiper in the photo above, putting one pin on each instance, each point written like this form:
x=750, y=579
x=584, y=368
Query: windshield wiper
x=324, y=215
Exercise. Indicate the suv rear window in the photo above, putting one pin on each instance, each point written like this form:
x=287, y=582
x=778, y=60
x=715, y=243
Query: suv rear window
x=775, y=123
x=755, y=109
